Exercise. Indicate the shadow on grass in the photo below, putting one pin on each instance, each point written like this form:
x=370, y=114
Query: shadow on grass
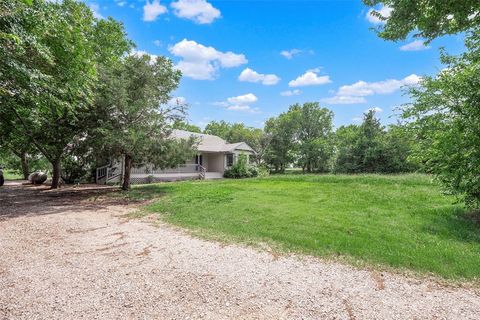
x=451, y=224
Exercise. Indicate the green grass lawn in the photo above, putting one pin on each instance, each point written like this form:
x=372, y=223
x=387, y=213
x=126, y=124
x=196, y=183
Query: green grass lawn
x=11, y=175
x=389, y=221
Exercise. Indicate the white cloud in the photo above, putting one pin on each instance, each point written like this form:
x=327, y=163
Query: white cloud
x=384, y=12
x=244, y=108
x=151, y=10
x=289, y=54
x=96, y=11
x=290, y=93
x=344, y=100
x=199, y=11
x=309, y=78
x=375, y=109
x=356, y=93
x=249, y=75
x=362, y=88
x=158, y=43
x=243, y=99
x=121, y=3
x=240, y=103
x=416, y=45
x=201, y=62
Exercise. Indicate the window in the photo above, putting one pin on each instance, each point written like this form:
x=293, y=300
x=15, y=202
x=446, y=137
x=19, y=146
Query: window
x=229, y=159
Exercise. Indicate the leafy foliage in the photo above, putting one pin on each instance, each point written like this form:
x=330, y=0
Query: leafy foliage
x=183, y=125
x=445, y=113
x=132, y=122
x=241, y=169
x=50, y=55
x=430, y=19
x=303, y=134
x=369, y=148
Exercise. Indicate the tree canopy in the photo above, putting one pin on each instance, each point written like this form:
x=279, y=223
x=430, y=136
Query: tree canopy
x=445, y=114
x=131, y=106
x=428, y=19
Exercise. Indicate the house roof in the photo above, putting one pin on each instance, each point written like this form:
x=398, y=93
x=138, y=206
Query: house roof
x=211, y=143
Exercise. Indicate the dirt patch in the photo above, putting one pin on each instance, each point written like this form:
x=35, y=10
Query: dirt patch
x=65, y=255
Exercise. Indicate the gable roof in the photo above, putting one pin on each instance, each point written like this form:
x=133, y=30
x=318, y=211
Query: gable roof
x=211, y=143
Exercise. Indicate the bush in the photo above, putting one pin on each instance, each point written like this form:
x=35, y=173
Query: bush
x=241, y=169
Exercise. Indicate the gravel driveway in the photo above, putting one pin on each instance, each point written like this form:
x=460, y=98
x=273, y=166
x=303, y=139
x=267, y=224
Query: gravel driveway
x=65, y=256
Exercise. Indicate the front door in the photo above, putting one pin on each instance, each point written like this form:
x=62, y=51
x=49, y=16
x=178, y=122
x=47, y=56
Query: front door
x=199, y=159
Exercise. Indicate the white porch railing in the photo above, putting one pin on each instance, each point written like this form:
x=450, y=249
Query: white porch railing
x=186, y=168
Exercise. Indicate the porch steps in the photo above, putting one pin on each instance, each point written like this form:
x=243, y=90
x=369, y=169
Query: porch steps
x=213, y=175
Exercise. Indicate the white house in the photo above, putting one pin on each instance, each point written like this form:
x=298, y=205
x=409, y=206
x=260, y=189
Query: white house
x=214, y=156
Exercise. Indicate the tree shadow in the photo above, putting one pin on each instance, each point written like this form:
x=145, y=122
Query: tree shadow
x=18, y=200
x=451, y=223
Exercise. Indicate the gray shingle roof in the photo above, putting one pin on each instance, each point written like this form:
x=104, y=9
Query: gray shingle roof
x=211, y=143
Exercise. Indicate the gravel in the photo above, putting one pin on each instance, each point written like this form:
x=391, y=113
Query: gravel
x=63, y=256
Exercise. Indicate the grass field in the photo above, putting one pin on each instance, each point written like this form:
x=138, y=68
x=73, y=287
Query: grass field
x=11, y=175
x=389, y=221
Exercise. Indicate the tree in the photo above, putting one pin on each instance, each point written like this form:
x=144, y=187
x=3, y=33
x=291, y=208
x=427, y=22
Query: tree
x=281, y=150
x=238, y=132
x=430, y=18
x=314, y=136
x=133, y=122
x=220, y=128
x=50, y=57
x=183, y=125
x=445, y=114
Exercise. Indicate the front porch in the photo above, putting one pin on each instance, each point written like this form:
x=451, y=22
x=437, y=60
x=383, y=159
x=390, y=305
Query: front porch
x=202, y=166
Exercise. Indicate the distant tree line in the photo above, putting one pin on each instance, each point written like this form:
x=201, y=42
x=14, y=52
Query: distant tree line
x=304, y=137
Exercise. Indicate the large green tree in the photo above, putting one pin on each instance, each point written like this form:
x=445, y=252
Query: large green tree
x=314, y=136
x=445, y=114
x=238, y=132
x=429, y=19
x=134, y=116
x=372, y=148
x=282, y=147
x=50, y=55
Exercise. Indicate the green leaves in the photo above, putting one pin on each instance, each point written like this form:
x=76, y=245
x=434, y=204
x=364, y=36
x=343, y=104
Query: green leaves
x=445, y=115
x=429, y=19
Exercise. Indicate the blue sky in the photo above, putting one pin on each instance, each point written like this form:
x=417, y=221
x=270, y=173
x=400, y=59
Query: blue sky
x=246, y=61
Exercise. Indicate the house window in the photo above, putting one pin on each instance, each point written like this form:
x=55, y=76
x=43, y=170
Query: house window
x=229, y=159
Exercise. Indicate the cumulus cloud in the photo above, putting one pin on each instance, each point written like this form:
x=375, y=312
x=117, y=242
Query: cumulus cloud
x=240, y=103
x=344, y=100
x=356, y=93
x=362, y=88
x=243, y=99
x=158, y=43
x=289, y=54
x=199, y=11
x=151, y=10
x=416, y=45
x=309, y=78
x=202, y=63
x=290, y=93
x=249, y=75
x=384, y=12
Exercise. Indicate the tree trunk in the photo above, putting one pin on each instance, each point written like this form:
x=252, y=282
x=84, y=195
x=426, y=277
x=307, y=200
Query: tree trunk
x=126, y=176
x=25, y=168
x=56, y=174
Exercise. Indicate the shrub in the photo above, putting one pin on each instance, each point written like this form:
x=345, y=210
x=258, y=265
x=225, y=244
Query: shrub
x=241, y=169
